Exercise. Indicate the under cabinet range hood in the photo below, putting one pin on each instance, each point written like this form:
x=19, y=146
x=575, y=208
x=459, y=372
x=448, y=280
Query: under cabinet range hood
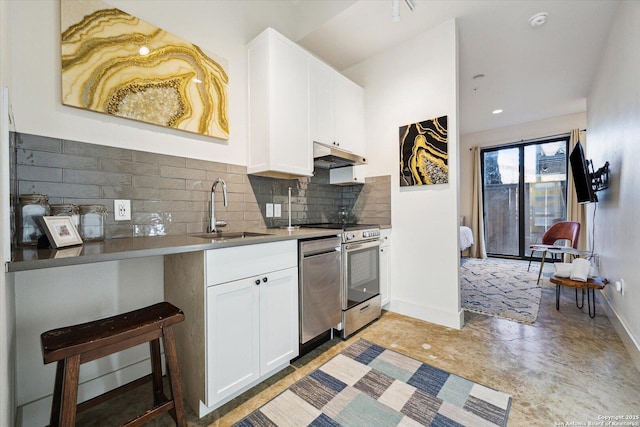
x=331, y=157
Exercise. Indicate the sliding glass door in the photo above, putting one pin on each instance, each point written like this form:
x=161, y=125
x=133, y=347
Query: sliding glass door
x=525, y=192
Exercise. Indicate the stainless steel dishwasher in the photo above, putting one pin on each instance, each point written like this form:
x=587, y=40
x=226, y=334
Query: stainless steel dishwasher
x=320, y=290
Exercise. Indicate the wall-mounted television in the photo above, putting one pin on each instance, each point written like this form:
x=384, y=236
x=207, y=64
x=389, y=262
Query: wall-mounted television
x=582, y=178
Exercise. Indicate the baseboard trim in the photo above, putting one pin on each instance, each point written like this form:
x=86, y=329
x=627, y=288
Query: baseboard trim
x=632, y=346
x=428, y=314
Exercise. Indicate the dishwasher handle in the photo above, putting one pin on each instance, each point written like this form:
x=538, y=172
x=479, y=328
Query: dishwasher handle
x=319, y=246
x=320, y=253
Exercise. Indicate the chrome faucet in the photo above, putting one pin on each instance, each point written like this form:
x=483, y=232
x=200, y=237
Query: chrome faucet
x=213, y=223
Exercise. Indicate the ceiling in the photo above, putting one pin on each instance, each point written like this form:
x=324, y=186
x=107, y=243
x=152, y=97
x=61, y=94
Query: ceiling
x=531, y=74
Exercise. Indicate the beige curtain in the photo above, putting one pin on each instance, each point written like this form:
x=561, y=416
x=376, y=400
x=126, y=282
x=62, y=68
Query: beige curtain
x=576, y=212
x=478, y=250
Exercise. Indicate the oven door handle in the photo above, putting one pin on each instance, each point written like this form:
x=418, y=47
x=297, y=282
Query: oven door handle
x=363, y=245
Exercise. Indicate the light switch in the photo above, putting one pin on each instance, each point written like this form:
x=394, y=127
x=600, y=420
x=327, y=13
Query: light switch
x=277, y=210
x=269, y=210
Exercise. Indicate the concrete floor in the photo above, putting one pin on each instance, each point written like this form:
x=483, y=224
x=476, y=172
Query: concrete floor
x=565, y=368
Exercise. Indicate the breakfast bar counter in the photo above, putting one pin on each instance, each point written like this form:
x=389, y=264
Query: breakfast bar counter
x=31, y=258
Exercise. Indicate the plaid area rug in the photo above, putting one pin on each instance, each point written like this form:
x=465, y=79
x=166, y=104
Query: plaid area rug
x=501, y=288
x=367, y=385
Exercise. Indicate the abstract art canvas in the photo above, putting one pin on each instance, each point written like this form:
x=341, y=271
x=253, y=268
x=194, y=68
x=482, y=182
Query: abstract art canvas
x=423, y=153
x=117, y=64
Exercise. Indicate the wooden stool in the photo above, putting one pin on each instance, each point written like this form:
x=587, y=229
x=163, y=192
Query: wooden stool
x=74, y=345
x=590, y=285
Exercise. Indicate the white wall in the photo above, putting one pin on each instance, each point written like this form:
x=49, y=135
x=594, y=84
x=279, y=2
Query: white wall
x=414, y=82
x=507, y=135
x=613, y=115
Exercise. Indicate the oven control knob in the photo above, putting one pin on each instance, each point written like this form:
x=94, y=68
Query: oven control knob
x=349, y=236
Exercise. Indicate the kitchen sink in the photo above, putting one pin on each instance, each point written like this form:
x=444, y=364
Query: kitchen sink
x=230, y=235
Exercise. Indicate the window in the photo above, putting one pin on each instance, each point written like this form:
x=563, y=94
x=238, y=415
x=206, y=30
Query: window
x=525, y=192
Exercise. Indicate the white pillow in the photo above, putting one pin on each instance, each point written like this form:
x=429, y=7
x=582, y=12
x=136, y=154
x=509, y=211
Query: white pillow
x=562, y=269
x=580, y=270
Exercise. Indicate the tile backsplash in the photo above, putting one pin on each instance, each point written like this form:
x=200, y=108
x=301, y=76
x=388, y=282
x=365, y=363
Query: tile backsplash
x=169, y=194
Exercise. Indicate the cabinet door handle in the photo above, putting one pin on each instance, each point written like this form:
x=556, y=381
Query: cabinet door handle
x=257, y=281
x=264, y=279
x=381, y=250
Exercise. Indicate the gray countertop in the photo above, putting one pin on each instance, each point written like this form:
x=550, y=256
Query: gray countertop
x=30, y=258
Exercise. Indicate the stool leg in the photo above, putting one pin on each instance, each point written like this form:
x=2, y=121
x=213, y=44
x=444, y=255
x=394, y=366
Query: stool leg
x=557, y=297
x=156, y=371
x=174, y=377
x=54, y=421
x=70, y=391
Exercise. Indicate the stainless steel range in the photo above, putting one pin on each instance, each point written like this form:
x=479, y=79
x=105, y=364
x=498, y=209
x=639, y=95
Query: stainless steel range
x=361, y=301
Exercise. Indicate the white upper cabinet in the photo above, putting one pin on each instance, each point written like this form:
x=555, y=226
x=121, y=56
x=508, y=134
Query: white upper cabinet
x=279, y=141
x=349, y=114
x=322, y=104
x=294, y=100
x=337, y=109
x=348, y=175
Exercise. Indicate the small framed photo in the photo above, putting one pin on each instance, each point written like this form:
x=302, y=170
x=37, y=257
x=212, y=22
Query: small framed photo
x=61, y=231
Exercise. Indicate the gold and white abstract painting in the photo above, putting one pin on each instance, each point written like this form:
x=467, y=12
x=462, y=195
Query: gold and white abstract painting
x=117, y=64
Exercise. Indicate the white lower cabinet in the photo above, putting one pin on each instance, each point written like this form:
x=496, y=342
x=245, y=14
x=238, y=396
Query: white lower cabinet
x=257, y=318
x=241, y=318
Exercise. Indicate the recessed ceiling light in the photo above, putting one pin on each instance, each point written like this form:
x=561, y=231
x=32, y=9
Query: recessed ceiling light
x=538, y=20
x=144, y=51
x=498, y=111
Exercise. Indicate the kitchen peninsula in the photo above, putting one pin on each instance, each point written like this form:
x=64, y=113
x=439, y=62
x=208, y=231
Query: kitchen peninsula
x=30, y=258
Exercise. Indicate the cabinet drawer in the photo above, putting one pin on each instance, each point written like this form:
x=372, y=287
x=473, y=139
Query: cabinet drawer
x=228, y=264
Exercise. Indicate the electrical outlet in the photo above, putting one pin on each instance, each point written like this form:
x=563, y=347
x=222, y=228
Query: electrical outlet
x=122, y=210
x=269, y=210
x=277, y=210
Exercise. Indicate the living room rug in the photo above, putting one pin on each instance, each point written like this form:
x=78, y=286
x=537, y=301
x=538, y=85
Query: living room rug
x=500, y=288
x=368, y=385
